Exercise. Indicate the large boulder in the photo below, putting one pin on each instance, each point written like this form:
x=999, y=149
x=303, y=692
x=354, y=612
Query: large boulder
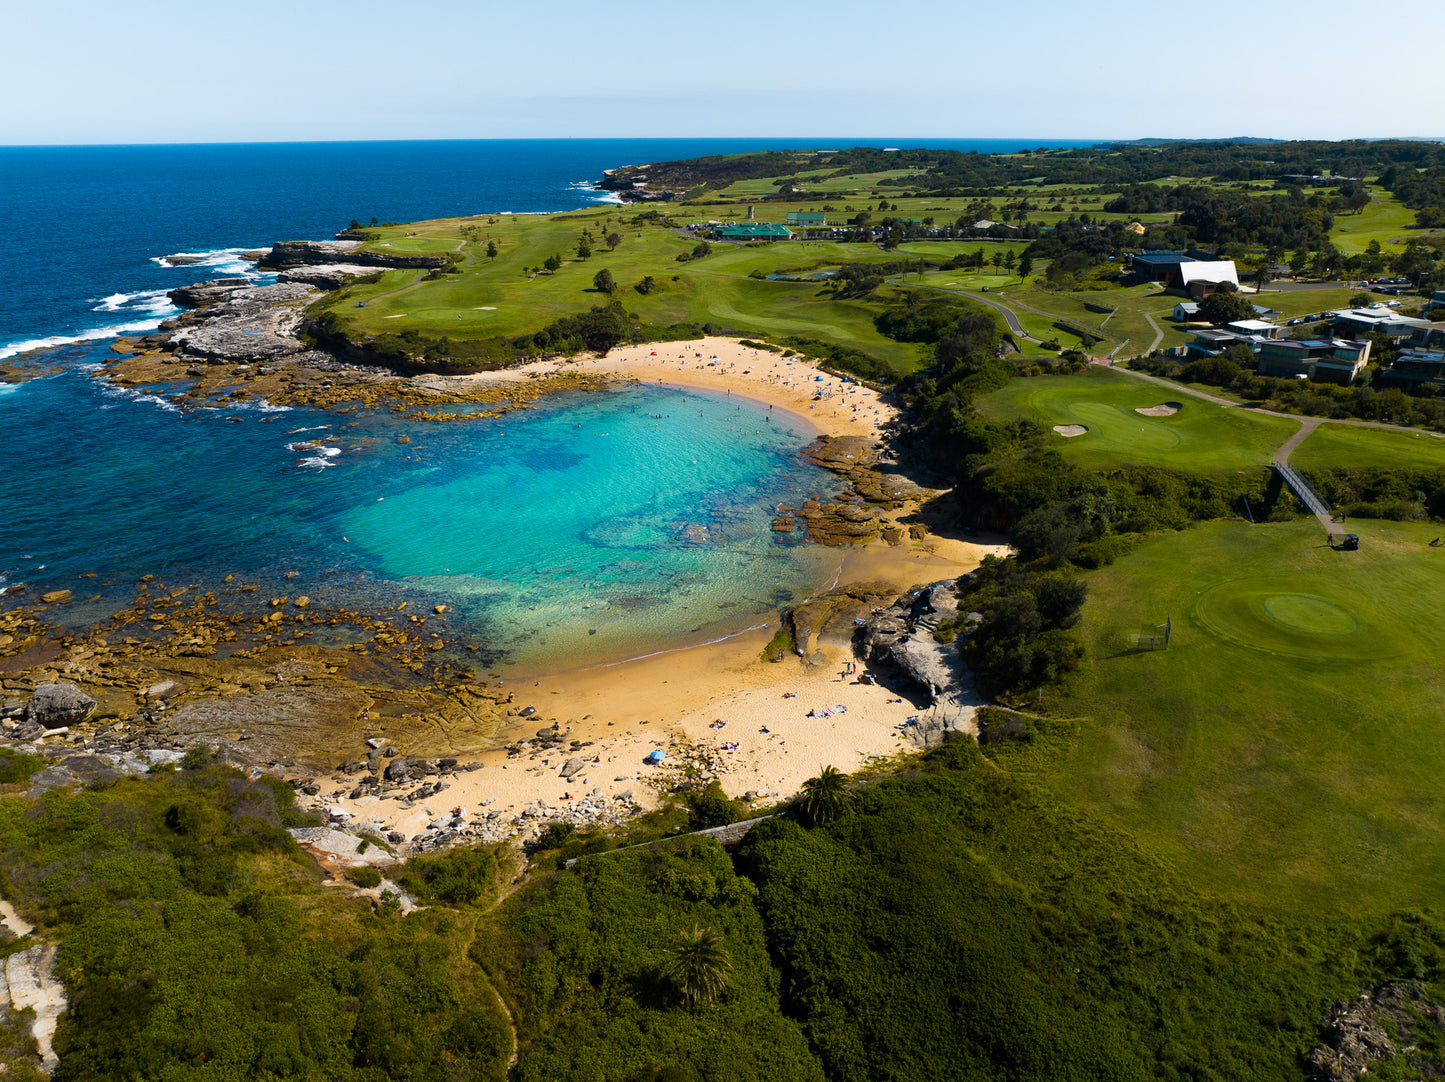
x=397, y=770
x=54, y=705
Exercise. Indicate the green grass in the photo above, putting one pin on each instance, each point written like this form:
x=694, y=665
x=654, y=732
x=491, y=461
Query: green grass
x=1201, y=438
x=501, y=298
x=1347, y=447
x=1385, y=220
x=1286, y=749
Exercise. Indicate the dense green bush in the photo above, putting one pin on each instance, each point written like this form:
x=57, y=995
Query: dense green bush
x=964, y=926
x=196, y=940
x=583, y=956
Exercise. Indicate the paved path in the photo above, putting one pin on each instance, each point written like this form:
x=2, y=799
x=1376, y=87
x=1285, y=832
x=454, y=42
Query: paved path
x=998, y=306
x=1307, y=425
x=1158, y=332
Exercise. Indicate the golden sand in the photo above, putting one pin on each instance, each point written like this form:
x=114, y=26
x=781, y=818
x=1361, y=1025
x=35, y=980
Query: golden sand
x=673, y=698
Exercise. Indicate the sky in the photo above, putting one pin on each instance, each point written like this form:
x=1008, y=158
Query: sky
x=163, y=71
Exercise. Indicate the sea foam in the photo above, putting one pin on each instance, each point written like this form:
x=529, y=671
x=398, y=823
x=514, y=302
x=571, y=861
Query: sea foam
x=14, y=349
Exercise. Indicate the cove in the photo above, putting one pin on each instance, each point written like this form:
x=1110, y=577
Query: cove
x=596, y=525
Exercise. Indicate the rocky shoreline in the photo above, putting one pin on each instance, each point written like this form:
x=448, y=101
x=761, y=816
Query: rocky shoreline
x=384, y=703
x=240, y=342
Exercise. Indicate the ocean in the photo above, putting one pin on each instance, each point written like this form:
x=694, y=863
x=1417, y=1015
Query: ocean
x=550, y=541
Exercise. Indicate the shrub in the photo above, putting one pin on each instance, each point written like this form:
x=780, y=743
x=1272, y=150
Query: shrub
x=713, y=808
x=365, y=876
x=555, y=834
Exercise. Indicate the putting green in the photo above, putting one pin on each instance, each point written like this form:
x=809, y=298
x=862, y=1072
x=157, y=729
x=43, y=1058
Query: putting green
x=1267, y=615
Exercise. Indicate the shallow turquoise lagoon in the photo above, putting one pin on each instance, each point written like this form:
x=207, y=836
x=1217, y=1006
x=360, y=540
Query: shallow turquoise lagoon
x=600, y=524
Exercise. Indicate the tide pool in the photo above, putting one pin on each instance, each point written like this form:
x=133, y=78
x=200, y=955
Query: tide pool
x=598, y=524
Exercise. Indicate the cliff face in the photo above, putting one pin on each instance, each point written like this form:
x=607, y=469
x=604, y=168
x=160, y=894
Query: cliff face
x=311, y=253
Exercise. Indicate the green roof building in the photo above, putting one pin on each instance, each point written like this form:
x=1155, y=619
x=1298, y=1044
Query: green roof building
x=754, y=231
x=807, y=217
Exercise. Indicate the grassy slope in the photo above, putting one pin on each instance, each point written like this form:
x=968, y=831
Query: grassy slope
x=1343, y=446
x=1200, y=438
x=1384, y=220
x=1274, y=764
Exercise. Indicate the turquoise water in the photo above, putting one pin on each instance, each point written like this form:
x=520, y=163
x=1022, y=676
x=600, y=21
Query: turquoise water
x=599, y=524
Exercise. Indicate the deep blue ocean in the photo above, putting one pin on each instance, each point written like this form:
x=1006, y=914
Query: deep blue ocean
x=553, y=543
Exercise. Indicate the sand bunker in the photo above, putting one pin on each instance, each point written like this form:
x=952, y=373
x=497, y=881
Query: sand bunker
x=1070, y=430
x=1164, y=409
x=485, y=308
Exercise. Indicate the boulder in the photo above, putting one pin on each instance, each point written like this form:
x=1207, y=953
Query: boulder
x=166, y=689
x=397, y=769
x=54, y=705
x=573, y=766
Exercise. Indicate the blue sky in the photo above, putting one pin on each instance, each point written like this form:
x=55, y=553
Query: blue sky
x=165, y=71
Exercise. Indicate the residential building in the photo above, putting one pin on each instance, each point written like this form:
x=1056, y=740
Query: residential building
x=1414, y=367
x=1357, y=321
x=1323, y=360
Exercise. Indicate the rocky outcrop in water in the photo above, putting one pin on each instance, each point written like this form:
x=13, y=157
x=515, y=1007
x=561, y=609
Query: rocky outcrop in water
x=244, y=323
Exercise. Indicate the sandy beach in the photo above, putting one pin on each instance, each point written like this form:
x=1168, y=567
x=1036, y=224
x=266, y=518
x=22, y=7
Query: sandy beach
x=764, y=727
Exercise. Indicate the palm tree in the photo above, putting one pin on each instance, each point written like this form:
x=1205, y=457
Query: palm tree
x=825, y=797
x=699, y=965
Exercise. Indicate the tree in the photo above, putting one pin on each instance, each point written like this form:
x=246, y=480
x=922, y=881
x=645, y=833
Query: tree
x=1361, y=300
x=1226, y=306
x=603, y=282
x=826, y=797
x=553, y=263
x=491, y=249
x=1026, y=264
x=613, y=240
x=1263, y=276
x=584, y=248
x=701, y=249
x=646, y=286
x=699, y=965
x=997, y=260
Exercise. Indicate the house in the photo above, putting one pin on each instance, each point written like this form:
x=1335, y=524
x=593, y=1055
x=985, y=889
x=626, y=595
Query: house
x=1437, y=300
x=1137, y=228
x=1213, y=342
x=807, y=218
x=1323, y=360
x=1255, y=329
x=748, y=231
x=1188, y=311
x=1386, y=321
x=1428, y=335
x=1414, y=367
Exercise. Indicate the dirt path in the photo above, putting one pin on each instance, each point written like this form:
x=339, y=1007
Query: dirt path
x=506, y=892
